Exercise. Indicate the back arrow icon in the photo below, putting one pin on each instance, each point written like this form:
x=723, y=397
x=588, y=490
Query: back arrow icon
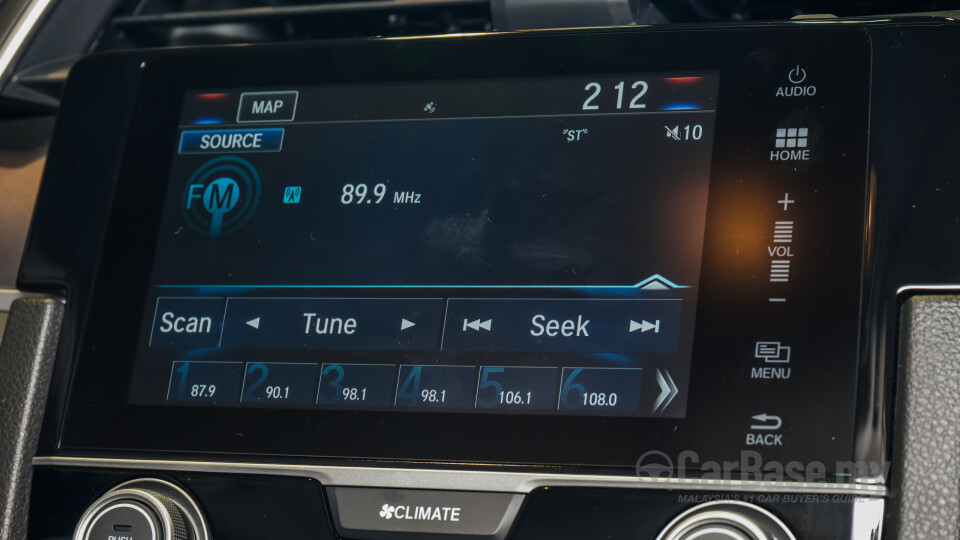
x=768, y=422
x=254, y=323
x=668, y=391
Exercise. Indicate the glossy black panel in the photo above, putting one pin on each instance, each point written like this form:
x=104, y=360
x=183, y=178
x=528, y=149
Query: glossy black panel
x=563, y=513
x=237, y=507
x=746, y=185
x=257, y=507
x=914, y=201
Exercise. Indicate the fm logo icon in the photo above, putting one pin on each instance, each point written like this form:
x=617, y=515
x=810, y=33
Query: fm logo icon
x=221, y=196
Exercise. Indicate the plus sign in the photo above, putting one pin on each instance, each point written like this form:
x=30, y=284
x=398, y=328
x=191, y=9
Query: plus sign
x=786, y=202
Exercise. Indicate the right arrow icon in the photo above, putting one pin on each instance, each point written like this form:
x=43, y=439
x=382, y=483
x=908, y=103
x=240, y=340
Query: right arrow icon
x=645, y=326
x=404, y=324
x=668, y=391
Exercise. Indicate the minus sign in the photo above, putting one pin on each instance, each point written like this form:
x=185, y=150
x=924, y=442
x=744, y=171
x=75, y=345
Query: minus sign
x=778, y=299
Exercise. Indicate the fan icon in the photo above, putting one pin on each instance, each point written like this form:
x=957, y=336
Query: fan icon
x=387, y=511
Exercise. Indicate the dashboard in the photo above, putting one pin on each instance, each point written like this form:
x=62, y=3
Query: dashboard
x=598, y=283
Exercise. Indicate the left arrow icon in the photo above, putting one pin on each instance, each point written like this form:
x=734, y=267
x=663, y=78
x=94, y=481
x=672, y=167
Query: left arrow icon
x=254, y=323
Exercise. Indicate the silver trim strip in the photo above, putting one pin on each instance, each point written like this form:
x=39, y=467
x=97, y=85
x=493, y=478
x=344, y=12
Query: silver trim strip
x=22, y=29
x=927, y=288
x=505, y=482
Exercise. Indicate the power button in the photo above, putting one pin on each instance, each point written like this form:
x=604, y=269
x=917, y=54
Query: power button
x=797, y=75
x=796, y=84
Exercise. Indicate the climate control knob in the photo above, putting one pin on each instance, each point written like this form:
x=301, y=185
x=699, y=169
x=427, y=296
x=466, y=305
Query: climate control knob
x=143, y=510
x=726, y=520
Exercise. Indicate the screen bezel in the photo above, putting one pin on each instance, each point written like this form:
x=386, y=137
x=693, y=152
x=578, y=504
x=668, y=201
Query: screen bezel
x=100, y=419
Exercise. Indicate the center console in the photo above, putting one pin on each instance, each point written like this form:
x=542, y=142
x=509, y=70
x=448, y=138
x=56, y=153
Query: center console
x=594, y=283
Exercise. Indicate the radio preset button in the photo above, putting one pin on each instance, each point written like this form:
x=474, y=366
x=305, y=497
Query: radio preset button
x=386, y=514
x=357, y=385
x=436, y=387
x=516, y=388
x=277, y=383
x=610, y=390
x=211, y=383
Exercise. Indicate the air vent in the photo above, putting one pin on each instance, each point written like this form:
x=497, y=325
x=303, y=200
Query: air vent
x=163, y=23
x=72, y=29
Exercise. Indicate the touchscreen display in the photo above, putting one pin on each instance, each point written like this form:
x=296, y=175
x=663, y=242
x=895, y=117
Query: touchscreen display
x=519, y=246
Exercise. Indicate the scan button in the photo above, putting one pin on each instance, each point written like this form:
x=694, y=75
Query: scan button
x=391, y=514
x=187, y=322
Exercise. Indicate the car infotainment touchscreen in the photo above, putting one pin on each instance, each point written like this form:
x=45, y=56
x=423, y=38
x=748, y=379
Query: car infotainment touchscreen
x=519, y=246
x=564, y=247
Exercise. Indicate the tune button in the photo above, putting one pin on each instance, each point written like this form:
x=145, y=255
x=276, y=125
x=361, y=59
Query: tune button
x=726, y=520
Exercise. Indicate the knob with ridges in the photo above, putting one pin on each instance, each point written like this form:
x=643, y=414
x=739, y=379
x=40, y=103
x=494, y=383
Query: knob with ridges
x=144, y=509
x=726, y=520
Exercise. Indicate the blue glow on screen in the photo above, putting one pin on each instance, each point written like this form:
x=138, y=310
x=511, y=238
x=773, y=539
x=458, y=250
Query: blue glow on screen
x=681, y=107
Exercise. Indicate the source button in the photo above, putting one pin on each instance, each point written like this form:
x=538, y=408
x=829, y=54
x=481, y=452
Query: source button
x=220, y=141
